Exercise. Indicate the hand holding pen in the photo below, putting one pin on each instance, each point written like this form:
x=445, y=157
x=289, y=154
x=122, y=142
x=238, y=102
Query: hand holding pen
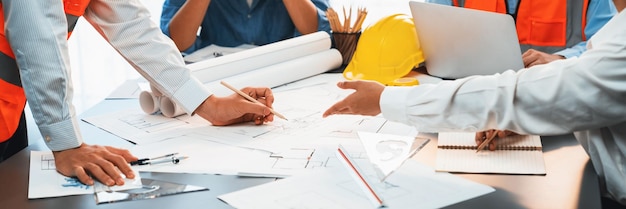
x=485, y=138
x=244, y=95
x=234, y=108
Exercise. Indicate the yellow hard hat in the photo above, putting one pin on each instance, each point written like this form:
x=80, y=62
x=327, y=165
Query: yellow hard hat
x=386, y=51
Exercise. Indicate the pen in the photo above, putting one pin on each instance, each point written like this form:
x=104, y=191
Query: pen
x=143, y=161
x=250, y=98
x=173, y=160
x=486, y=142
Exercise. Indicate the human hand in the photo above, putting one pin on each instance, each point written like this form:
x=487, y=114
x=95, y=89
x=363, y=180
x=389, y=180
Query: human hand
x=534, y=57
x=482, y=136
x=102, y=162
x=221, y=111
x=364, y=101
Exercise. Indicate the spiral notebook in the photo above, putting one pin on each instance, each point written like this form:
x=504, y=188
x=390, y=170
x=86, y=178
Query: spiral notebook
x=519, y=154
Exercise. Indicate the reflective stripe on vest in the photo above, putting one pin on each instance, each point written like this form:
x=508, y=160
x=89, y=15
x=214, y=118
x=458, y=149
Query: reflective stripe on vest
x=12, y=97
x=547, y=26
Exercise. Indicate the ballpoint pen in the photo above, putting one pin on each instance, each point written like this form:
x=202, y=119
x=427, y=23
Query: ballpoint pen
x=486, y=142
x=250, y=98
x=173, y=160
x=144, y=161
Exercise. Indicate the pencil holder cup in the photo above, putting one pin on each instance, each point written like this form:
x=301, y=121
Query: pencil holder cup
x=346, y=44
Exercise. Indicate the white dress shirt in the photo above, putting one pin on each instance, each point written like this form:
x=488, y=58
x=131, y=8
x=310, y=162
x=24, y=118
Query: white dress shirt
x=37, y=32
x=584, y=95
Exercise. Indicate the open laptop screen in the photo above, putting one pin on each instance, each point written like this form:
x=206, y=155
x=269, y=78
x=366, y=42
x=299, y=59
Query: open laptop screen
x=459, y=42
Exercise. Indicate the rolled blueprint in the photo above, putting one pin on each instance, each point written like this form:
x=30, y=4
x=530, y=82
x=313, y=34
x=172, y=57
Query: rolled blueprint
x=281, y=73
x=169, y=108
x=149, y=102
x=252, y=59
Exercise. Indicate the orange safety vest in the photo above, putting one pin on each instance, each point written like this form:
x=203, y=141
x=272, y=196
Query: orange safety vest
x=547, y=26
x=12, y=97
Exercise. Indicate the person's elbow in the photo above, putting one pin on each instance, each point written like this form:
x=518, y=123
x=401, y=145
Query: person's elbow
x=182, y=45
x=309, y=28
x=182, y=42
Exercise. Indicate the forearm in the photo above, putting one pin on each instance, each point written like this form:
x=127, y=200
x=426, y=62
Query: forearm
x=184, y=25
x=37, y=32
x=137, y=38
x=620, y=4
x=546, y=99
x=303, y=13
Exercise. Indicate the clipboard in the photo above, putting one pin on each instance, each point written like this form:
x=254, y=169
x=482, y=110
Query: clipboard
x=150, y=189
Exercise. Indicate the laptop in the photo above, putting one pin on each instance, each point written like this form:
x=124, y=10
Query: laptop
x=459, y=42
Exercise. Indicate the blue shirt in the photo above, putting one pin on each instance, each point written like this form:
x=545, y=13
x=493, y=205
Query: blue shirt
x=598, y=14
x=232, y=23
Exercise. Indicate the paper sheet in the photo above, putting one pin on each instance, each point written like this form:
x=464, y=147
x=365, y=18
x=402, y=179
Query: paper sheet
x=127, y=90
x=140, y=128
x=303, y=105
x=302, y=102
x=214, y=51
x=44, y=181
x=367, y=184
x=412, y=186
x=499, y=161
x=203, y=156
x=206, y=155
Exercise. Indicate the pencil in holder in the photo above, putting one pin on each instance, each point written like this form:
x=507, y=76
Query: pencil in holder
x=346, y=44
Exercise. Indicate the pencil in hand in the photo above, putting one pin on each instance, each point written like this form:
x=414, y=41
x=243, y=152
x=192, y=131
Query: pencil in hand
x=244, y=95
x=487, y=141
